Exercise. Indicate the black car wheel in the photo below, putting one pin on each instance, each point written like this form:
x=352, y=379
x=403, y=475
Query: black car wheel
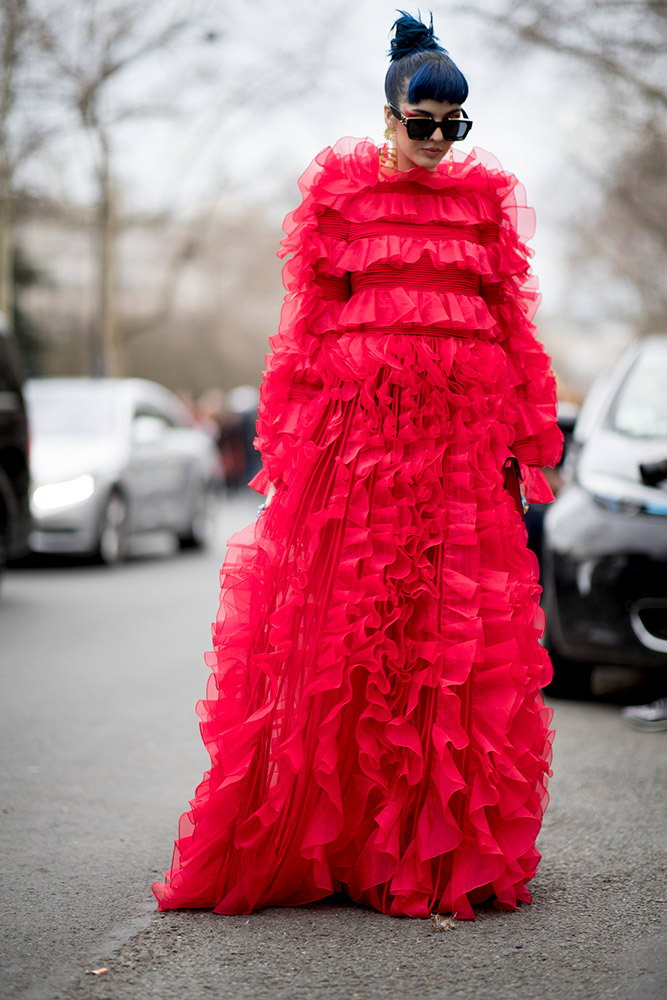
x=200, y=527
x=112, y=544
x=570, y=680
x=4, y=545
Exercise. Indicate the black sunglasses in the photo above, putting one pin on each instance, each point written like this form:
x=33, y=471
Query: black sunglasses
x=453, y=129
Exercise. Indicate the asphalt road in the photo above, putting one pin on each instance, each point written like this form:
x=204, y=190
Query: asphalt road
x=100, y=751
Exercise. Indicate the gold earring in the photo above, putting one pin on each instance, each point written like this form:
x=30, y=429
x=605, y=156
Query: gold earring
x=388, y=151
x=451, y=160
x=388, y=157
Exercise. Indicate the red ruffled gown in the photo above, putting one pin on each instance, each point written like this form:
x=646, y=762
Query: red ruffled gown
x=374, y=716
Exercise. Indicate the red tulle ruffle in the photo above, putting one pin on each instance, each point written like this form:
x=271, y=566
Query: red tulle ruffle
x=373, y=716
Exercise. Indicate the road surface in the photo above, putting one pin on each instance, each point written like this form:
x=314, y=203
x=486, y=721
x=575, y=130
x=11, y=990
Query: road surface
x=100, y=753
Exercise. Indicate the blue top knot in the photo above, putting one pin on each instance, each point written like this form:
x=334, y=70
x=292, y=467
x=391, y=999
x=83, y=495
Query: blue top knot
x=412, y=36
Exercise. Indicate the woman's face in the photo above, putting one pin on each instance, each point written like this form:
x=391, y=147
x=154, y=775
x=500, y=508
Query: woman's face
x=421, y=152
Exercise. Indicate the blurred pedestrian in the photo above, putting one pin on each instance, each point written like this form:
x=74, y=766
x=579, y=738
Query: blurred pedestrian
x=374, y=715
x=242, y=403
x=187, y=398
x=210, y=412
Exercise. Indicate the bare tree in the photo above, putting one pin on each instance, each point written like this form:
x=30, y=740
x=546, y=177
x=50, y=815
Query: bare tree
x=259, y=85
x=20, y=133
x=87, y=48
x=622, y=41
x=90, y=60
x=629, y=230
x=623, y=46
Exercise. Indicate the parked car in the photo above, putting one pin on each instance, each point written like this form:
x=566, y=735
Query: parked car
x=605, y=537
x=567, y=417
x=14, y=505
x=112, y=458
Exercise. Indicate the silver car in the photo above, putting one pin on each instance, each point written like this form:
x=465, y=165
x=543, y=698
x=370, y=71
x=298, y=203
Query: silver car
x=111, y=458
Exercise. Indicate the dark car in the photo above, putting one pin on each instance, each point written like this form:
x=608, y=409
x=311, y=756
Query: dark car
x=14, y=493
x=567, y=417
x=605, y=537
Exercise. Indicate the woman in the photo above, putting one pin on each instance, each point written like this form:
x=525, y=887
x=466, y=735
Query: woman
x=374, y=716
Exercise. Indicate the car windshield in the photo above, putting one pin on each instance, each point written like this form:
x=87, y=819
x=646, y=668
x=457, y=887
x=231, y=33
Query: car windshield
x=640, y=409
x=71, y=410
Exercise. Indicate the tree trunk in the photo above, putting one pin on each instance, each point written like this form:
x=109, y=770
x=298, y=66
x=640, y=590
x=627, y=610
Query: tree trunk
x=12, y=22
x=6, y=246
x=107, y=359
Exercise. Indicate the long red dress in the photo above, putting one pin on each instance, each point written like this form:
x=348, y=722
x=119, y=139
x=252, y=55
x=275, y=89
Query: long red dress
x=374, y=716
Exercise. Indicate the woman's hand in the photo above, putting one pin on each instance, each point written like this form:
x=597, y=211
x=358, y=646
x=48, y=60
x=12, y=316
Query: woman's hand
x=270, y=493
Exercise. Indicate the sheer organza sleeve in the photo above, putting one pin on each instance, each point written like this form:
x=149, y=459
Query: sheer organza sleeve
x=512, y=298
x=316, y=292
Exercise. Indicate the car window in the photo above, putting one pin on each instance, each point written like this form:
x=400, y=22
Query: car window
x=640, y=408
x=148, y=410
x=71, y=410
x=171, y=408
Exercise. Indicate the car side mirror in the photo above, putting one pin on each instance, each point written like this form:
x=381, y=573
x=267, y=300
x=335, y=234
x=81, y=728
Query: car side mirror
x=147, y=430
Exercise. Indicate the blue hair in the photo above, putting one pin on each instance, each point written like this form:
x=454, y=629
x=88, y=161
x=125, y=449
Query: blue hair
x=420, y=67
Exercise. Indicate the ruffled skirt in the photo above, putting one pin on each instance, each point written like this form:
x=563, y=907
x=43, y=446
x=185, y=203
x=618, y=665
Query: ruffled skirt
x=373, y=716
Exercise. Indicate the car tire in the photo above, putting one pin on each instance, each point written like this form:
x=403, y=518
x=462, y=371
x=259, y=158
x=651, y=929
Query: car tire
x=4, y=547
x=571, y=679
x=112, y=538
x=200, y=526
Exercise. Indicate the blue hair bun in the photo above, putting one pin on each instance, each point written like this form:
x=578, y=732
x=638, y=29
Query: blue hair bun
x=412, y=36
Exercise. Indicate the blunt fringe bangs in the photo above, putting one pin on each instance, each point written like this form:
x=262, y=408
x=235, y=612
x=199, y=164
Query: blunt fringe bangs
x=438, y=80
x=426, y=75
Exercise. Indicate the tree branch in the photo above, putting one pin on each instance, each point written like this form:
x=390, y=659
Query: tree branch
x=545, y=28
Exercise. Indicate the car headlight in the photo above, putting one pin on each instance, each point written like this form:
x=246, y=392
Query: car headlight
x=54, y=495
x=622, y=496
